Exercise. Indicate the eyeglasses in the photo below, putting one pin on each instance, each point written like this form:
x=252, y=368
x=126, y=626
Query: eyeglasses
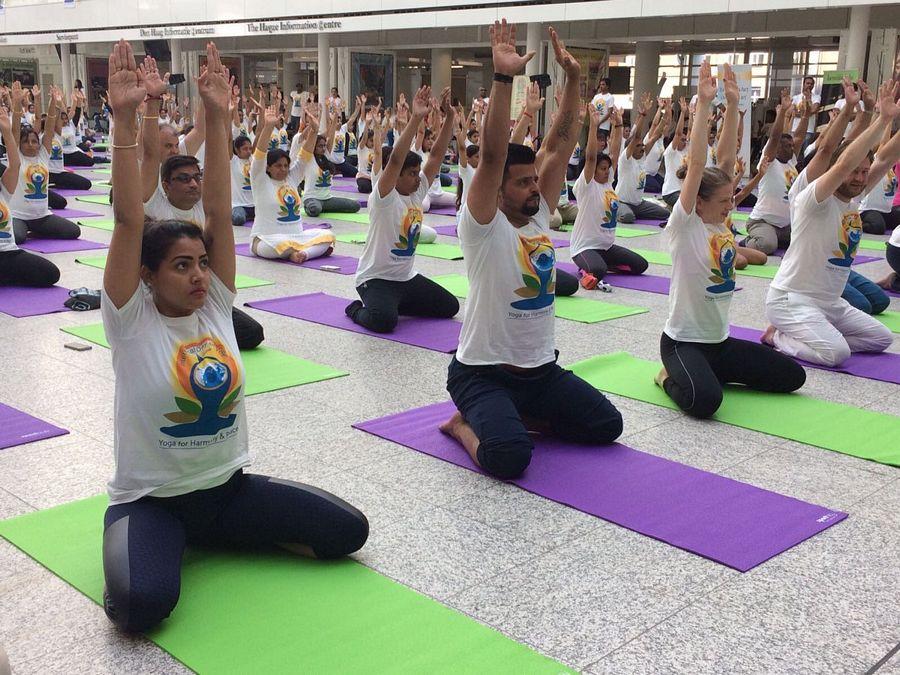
x=188, y=177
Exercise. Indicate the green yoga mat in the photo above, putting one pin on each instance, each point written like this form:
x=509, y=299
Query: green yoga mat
x=740, y=215
x=270, y=611
x=349, y=217
x=571, y=308
x=873, y=245
x=267, y=369
x=240, y=280
x=94, y=199
x=842, y=428
x=98, y=223
x=623, y=232
x=663, y=258
x=890, y=319
x=442, y=251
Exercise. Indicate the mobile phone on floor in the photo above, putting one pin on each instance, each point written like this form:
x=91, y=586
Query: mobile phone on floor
x=78, y=346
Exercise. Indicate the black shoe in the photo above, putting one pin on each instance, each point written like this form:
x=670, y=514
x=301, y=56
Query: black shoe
x=351, y=309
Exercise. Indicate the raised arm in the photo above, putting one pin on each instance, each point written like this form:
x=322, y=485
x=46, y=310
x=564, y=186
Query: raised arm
x=197, y=135
x=439, y=149
x=726, y=151
x=387, y=181
x=215, y=92
x=155, y=85
x=863, y=119
x=615, y=139
x=888, y=154
x=11, y=142
x=590, y=152
x=262, y=138
x=563, y=135
x=706, y=92
x=777, y=129
x=461, y=145
x=638, y=127
x=854, y=154
x=753, y=182
x=17, y=95
x=123, y=262
x=807, y=110
x=831, y=138
x=52, y=118
x=533, y=104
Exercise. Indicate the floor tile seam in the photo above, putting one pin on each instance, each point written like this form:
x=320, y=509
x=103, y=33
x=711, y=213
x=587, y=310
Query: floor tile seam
x=884, y=659
x=876, y=490
x=18, y=499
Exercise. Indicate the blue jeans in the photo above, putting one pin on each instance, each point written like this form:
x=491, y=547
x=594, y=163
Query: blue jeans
x=865, y=295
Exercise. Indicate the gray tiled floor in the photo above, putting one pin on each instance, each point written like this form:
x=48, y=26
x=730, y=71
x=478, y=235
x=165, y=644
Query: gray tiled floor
x=593, y=595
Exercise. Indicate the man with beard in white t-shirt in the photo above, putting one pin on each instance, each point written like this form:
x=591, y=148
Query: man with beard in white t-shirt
x=505, y=368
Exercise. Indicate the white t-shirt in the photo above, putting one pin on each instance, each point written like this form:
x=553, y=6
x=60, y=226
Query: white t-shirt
x=510, y=309
x=160, y=208
x=29, y=201
x=69, y=139
x=881, y=196
x=279, y=140
x=278, y=207
x=772, y=203
x=895, y=237
x=297, y=100
x=241, y=190
x=797, y=100
x=352, y=144
x=703, y=258
x=632, y=179
x=366, y=163
x=653, y=157
x=711, y=158
x=575, y=159
x=840, y=104
x=179, y=407
x=56, y=163
x=28, y=118
x=603, y=102
x=317, y=181
x=243, y=130
x=675, y=159
x=337, y=148
x=395, y=225
x=7, y=236
x=824, y=240
x=466, y=174
x=595, y=224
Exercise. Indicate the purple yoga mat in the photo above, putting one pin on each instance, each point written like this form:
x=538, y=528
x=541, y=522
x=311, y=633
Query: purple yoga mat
x=71, y=194
x=727, y=521
x=440, y=335
x=345, y=188
x=19, y=302
x=73, y=214
x=348, y=264
x=443, y=211
x=61, y=245
x=18, y=428
x=882, y=366
x=637, y=282
x=450, y=231
x=644, y=221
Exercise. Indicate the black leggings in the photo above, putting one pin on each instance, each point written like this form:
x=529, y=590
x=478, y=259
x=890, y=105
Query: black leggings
x=384, y=301
x=364, y=185
x=247, y=330
x=69, y=180
x=48, y=227
x=493, y=400
x=346, y=169
x=876, y=222
x=143, y=541
x=23, y=268
x=619, y=258
x=696, y=371
x=893, y=259
x=566, y=284
x=77, y=158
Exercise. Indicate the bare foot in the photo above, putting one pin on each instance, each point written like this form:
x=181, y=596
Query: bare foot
x=661, y=377
x=768, y=337
x=888, y=281
x=451, y=427
x=328, y=252
x=298, y=257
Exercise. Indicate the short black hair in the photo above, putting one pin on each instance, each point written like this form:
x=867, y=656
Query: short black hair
x=159, y=235
x=603, y=157
x=239, y=141
x=517, y=154
x=273, y=156
x=607, y=81
x=175, y=162
x=472, y=150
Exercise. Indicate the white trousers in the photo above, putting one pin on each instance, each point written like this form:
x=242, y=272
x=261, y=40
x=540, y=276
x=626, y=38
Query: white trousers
x=314, y=241
x=823, y=332
x=438, y=200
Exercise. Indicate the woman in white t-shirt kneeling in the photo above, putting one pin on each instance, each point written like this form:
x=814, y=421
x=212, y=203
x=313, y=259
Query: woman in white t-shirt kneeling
x=318, y=172
x=697, y=353
x=181, y=438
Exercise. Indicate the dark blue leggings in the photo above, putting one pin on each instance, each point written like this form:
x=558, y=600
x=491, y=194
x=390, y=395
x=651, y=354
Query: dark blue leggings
x=865, y=295
x=143, y=541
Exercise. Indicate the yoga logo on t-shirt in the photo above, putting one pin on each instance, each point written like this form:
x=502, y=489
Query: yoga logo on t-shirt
x=611, y=213
x=576, y=153
x=722, y=254
x=245, y=172
x=288, y=204
x=56, y=152
x=274, y=142
x=338, y=147
x=410, y=229
x=4, y=222
x=890, y=184
x=537, y=261
x=207, y=383
x=36, y=178
x=849, y=235
x=324, y=178
x=351, y=143
x=790, y=175
x=642, y=180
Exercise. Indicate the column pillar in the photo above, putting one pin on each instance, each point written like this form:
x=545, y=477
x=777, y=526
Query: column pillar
x=290, y=74
x=782, y=71
x=177, y=66
x=646, y=67
x=65, y=57
x=882, y=53
x=533, y=44
x=857, y=36
x=441, y=60
x=324, y=67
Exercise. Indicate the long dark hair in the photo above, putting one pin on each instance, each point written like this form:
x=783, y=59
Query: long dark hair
x=322, y=160
x=160, y=235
